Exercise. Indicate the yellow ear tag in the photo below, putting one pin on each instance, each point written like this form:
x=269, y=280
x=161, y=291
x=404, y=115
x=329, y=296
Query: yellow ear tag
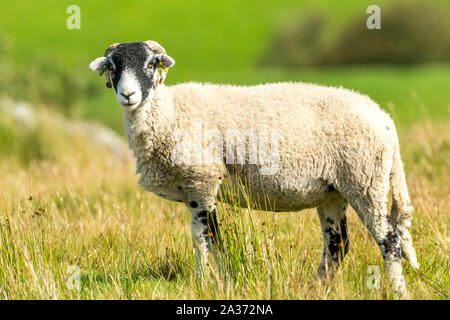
x=162, y=66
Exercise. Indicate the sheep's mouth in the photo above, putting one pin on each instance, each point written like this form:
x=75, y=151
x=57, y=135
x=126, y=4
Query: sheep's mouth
x=129, y=104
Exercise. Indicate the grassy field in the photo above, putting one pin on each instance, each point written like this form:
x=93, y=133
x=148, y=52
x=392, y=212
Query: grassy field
x=68, y=206
x=68, y=211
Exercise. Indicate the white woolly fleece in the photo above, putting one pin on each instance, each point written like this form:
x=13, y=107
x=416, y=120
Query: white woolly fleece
x=332, y=143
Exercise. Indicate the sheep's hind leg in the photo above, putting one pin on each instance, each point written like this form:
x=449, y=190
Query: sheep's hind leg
x=372, y=211
x=336, y=243
x=205, y=234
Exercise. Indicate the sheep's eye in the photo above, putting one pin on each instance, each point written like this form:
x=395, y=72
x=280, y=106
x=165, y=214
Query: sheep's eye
x=150, y=65
x=110, y=67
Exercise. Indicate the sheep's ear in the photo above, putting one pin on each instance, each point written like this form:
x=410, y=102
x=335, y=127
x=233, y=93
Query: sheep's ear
x=164, y=62
x=97, y=64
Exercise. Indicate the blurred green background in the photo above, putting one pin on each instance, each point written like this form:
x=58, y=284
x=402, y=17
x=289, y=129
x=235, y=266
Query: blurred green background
x=405, y=66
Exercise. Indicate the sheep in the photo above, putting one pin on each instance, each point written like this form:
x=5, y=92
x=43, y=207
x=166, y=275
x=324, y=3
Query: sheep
x=333, y=147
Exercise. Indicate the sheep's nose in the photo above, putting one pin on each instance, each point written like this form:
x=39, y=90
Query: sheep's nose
x=128, y=94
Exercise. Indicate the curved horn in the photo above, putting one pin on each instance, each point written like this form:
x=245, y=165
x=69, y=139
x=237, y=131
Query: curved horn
x=107, y=75
x=111, y=48
x=158, y=49
x=155, y=46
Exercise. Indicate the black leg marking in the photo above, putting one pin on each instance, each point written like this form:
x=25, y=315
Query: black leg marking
x=344, y=234
x=391, y=245
x=339, y=243
x=193, y=204
x=211, y=226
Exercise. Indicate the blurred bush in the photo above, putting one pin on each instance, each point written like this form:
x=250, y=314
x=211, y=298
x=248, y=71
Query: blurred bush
x=411, y=32
x=22, y=144
x=298, y=43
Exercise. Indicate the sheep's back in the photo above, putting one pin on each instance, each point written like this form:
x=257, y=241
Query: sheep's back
x=295, y=109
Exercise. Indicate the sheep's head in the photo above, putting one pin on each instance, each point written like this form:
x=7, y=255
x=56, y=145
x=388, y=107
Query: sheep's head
x=135, y=69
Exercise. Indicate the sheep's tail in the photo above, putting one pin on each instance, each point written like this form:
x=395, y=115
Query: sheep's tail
x=401, y=210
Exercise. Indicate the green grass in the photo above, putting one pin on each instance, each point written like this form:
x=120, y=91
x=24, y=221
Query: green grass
x=202, y=35
x=212, y=42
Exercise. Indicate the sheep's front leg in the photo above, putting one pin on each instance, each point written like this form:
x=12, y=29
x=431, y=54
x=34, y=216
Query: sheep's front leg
x=205, y=234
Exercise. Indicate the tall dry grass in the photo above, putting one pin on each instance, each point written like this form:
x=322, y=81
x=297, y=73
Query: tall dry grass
x=80, y=209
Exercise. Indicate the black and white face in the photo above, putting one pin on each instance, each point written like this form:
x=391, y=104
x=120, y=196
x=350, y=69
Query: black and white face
x=133, y=68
